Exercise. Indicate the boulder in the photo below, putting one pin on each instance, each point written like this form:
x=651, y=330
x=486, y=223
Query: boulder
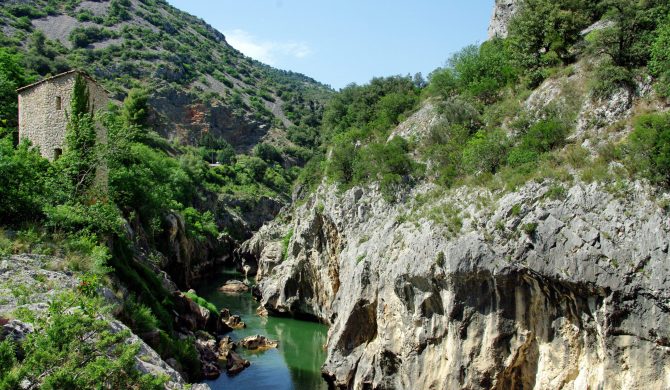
x=232, y=321
x=258, y=342
x=207, y=349
x=235, y=363
x=15, y=330
x=234, y=287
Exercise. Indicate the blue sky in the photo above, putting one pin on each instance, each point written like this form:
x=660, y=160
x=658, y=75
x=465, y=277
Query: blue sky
x=339, y=42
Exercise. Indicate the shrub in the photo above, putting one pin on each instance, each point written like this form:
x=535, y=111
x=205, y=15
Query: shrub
x=23, y=187
x=138, y=317
x=475, y=71
x=202, y=302
x=73, y=347
x=200, y=225
x=650, y=147
x=267, y=152
x=530, y=228
x=84, y=36
x=556, y=192
x=485, y=151
x=439, y=260
x=608, y=79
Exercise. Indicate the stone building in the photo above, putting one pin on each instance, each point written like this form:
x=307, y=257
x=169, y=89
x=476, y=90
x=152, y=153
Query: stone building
x=44, y=108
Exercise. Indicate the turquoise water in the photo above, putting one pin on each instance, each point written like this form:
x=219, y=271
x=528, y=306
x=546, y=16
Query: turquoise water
x=296, y=364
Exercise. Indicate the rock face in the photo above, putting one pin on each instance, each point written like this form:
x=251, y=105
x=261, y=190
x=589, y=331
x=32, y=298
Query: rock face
x=521, y=290
x=503, y=10
x=27, y=281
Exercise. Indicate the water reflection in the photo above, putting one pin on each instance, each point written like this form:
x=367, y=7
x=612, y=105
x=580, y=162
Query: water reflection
x=297, y=362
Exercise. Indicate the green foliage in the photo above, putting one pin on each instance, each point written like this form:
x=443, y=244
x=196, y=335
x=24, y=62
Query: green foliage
x=556, y=192
x=542, y=33
x=200, y=225
x=485, y=151
x=478, y=72
x=529, y=228
x=118, y=11
x=387, y=163
x=202, y=302
x=650, y=147
x=81, y=37
x=284, y=244
x=74, y=347
x=135, y=109
x=138, y=317
x=85, y=253
x=628, y=41
x=268, y=153
x=12, y=76
x=7, y=358
x=439, y=259
x=660, y=58
x=23, y=188
x=367, y=106
x=609, y=78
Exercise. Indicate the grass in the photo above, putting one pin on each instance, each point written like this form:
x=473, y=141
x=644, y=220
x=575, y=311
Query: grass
x=284, y=243
x=556, y=192
x=202, y=302
x=529, y=228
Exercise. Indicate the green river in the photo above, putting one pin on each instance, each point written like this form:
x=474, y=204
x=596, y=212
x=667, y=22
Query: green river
x=296, y=364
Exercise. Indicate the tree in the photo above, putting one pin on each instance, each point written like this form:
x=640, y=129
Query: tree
x=80, y=159
x=660, y=58
x=628, y=41
x=650, y=147
x=135, y=108
x=543, y=32
x=12, y=76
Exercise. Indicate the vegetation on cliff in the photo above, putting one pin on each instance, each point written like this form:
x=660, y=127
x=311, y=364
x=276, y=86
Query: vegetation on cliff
x=487, y=133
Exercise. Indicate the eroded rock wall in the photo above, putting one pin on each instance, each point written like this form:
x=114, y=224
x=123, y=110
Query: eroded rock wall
x=515, y=291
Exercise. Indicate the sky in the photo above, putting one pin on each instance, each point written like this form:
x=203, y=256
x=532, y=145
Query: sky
x=339, y=42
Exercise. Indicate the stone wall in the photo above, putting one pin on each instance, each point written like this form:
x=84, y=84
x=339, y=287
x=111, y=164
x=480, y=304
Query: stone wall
x=43, y=123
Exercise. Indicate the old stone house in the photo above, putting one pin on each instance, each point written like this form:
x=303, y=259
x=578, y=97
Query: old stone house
x=44, y=108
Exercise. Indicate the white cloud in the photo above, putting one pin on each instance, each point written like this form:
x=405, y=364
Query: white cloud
x=268, y=52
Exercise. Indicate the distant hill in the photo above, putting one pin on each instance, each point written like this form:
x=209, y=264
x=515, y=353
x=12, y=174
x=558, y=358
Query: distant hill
x=198, y=83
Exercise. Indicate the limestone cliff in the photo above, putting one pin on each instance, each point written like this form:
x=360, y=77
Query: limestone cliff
x=503, y=10
x=524, y=292
x=559, y=284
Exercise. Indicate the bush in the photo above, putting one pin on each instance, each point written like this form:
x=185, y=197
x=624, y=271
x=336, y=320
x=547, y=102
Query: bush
x=650, y=147
x=81, y=37
x=609, y=78
x=73, y=347
x=529, y=228
x=485, y=151
x=200, y=225
x=268, y=153
x=138, y=317
x=23, y=187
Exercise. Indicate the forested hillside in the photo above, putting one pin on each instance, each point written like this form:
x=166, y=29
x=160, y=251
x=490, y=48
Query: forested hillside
x=593, y=59
x=200, y=86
